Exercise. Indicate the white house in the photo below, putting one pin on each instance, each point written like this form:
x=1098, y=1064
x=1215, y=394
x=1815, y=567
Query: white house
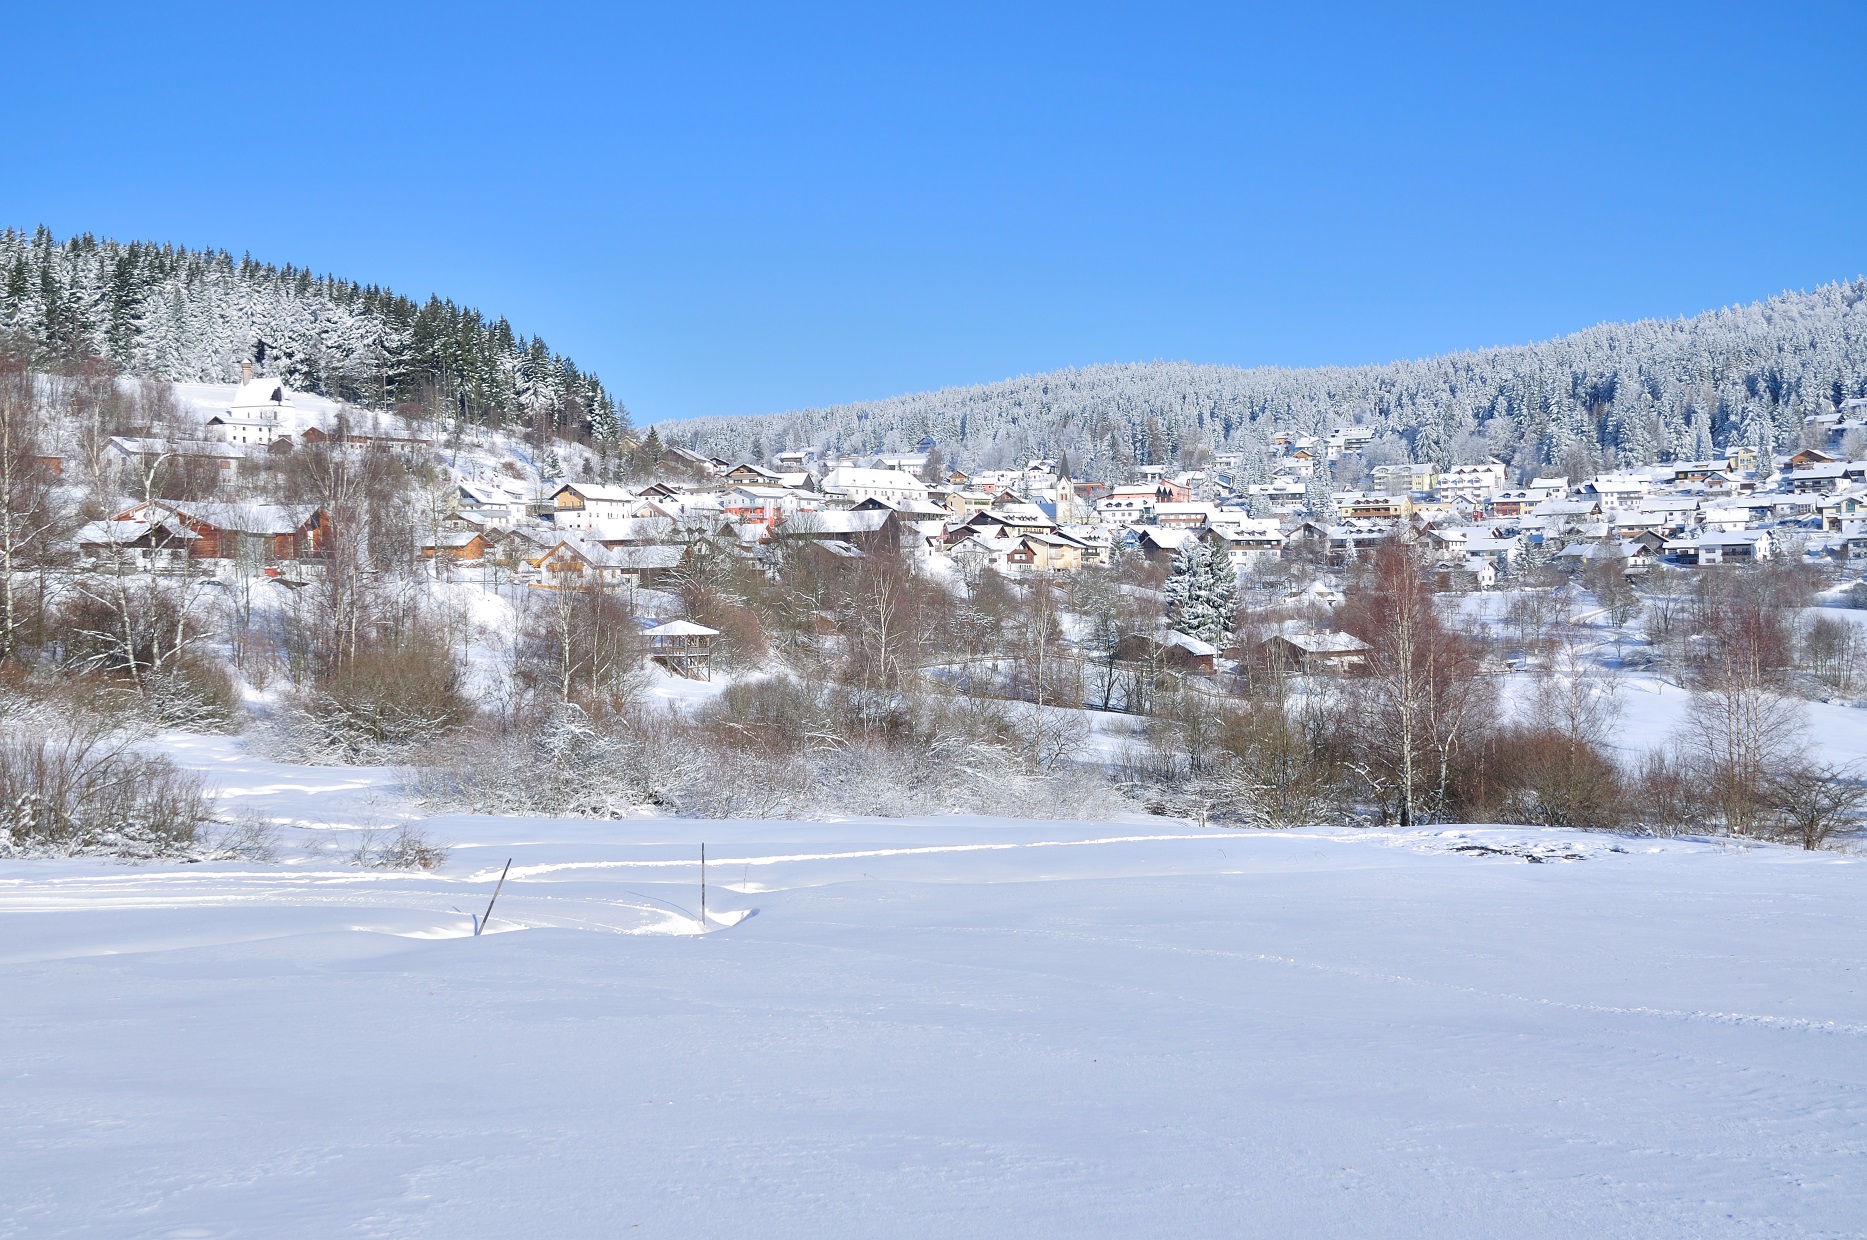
x=853, y=483
x=500, y=502
x=261, y=411
x=577, y=505
x=1499, y=553
x=1474, y=482
x=1735, y=547
x=1127, y=505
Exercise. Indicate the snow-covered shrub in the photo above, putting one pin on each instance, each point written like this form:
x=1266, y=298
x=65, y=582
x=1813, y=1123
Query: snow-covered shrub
x=375, y=708
x=770, y=749
x=565, y=764
x=88, y=791
x=408, y=847
x=245, y=837
x=194, y=695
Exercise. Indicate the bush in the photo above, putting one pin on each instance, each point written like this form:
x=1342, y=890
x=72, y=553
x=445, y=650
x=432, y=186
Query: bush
x=380, y=703
x=193, y=695
x=1667, y=795
x=772, y=748
x=246, y=837
x=88, y=792
x=407, y=848
x=1542, y=778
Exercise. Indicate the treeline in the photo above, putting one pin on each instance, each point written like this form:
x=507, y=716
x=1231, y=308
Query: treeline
x=1428, y=729
x=1616, y=394
x=166, y=312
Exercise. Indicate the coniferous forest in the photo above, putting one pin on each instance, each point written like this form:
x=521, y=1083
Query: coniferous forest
x=1615, y=394
x=167, y=312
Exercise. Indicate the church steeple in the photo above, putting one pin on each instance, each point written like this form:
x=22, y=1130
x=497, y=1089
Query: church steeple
x=1067, y=513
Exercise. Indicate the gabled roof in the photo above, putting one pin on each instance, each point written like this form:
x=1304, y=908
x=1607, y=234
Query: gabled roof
x=268, y=519
x=1325, y=643
x=646, y=557
x=123, y=532
x=831, y=524
x=261, y=393
x=143, y=446
x=1192, y=645
x=453, y=539
x=844, y=477
x=597, y=491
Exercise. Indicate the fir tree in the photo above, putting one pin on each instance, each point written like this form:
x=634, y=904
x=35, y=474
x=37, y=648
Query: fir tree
x=1202, y=594
x=1316, y=493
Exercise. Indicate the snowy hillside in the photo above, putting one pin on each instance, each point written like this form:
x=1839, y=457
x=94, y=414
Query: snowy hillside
x=1642, y=392
x=931, y=1027
x=171, y=313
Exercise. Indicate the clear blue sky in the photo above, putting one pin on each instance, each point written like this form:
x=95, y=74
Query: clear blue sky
x=724, y=210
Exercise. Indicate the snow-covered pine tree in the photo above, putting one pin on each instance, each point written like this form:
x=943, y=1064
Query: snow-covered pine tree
x=1316, y=494
x=1221, y=595
x=1202, y=596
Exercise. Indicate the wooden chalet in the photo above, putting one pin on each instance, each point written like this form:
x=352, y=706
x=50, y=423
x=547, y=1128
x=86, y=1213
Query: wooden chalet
x=461, y=546
x=1309, y=652
x=224, y=531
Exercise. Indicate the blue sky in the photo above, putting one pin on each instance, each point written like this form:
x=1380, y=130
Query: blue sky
x=730, y=210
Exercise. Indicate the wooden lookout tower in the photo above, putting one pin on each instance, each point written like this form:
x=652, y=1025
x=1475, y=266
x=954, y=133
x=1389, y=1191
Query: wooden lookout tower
x=682, y=647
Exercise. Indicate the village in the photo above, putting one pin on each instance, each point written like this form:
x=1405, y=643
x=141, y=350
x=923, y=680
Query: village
x=1474, y=527
x=1233, y=638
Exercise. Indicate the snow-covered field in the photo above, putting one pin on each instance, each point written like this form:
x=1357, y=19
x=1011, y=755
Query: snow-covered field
x=934, y=1027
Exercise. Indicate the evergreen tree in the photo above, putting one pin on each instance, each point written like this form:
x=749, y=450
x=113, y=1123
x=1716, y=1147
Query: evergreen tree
x=1202, y=594
x=1316, y=493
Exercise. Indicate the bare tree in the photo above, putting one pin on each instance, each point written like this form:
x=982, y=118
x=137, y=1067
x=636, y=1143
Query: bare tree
x=28, y=507
x=1423, y=698
x=1741, y=721
x=1811, y=801
x=1573, y=696
x=580, y=645
x=1831, y=651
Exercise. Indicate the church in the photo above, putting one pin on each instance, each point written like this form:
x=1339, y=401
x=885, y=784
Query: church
x=262, y=410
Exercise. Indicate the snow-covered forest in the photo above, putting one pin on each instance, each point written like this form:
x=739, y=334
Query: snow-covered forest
x=170, y=313
x=1623, y=393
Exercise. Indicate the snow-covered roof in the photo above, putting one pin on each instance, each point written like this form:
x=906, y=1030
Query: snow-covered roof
x=121, y=533
x=454, y=539
x=242, y=518
x=629, y=529
x=1166, y=540
x=852, y=477
x=646, y=557
x=141, y=446
x=261, y=394
x=833, y=523
x=1589, y=551
x=1326, y=643
x=597, y=491
x=1192, y=645
x=680, y=628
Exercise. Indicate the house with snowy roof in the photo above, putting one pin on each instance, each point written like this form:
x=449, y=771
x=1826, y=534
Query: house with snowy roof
x=1732, y=547
x=1309, y=652
x=851, y=483
x=578, y=505
x=261, y=412
x=219, y=531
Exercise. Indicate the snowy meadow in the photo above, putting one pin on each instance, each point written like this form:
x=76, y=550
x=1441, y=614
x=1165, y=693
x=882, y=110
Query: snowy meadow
x=929, y=1026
